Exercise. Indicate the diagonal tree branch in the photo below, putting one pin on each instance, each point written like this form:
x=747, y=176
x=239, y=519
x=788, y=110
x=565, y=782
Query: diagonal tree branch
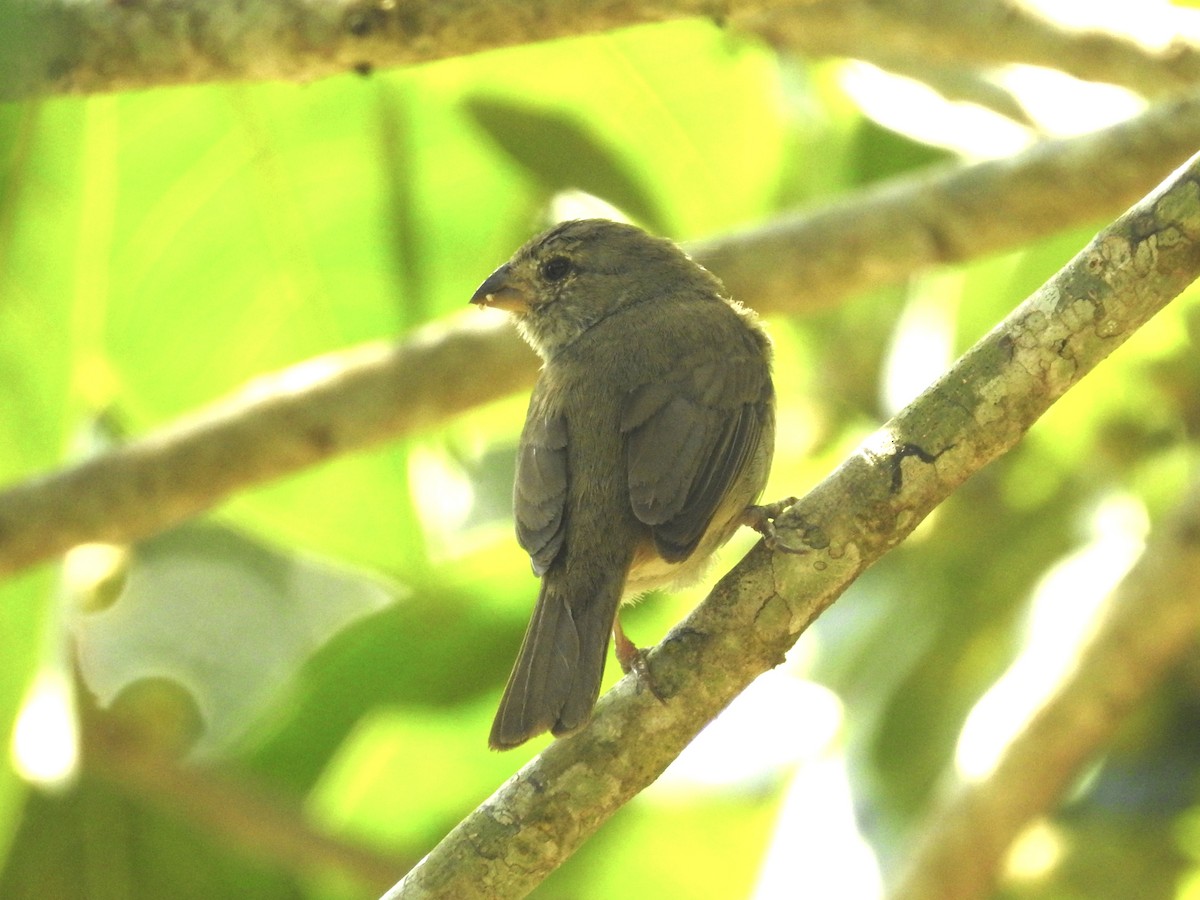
x=885, y=233
x=974, y=413
x=1151, y=622
x=358, y=398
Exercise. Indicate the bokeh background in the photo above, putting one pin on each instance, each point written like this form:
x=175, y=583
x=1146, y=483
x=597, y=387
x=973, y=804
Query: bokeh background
x=290, y=697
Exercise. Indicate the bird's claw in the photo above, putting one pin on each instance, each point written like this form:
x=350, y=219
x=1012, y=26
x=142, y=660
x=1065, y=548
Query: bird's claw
x=762, y=519
x=633, y=659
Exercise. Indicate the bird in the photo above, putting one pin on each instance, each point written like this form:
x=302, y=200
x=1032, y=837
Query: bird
x=648, y=439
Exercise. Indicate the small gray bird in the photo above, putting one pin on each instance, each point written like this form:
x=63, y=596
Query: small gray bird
x=649, y=435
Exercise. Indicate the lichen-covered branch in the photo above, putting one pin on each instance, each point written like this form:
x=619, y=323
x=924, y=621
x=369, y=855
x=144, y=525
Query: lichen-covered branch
x=1151, y=622
x=974, y=413
x=355, y=399
x=90, y=46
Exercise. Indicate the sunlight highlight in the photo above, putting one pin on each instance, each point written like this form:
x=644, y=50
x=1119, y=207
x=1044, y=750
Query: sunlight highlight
x=1155, y=23
x=45, y=742
x=440, y=489
x=785, y=725
x=1035, y=854
x=779, y=721
x=912, y=108
x=1065, y=608
x=1024, y=103
x=923, y=343
x=576, y=204
x=817, y=849
x=95, y=574
x=1061, y=105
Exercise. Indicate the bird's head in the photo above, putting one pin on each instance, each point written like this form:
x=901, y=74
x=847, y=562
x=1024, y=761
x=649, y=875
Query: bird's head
x=578, y=273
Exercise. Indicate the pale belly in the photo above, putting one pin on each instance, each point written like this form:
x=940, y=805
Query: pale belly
x=650, y=571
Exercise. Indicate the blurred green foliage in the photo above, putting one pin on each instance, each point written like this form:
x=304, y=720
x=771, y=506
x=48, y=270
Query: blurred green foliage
x=159, y=249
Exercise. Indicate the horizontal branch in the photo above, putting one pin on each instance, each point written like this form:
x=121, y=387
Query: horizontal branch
x=1151, y=623
x=974, y=413
x=983, y=33
x=90, y=46
x=361, y=397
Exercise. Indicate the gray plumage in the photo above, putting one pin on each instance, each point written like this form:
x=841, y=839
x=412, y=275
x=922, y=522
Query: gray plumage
x=649, y=432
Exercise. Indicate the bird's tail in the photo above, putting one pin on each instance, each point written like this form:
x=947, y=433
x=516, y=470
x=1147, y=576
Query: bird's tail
x=556, y=679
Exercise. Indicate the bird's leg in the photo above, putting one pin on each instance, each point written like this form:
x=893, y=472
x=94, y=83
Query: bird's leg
x=632, y=658
x=762, y=519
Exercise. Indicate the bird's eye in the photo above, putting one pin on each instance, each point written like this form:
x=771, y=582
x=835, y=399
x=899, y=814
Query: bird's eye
x=556, y=268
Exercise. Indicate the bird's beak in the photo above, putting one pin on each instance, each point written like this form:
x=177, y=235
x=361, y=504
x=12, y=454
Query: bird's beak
x=503, y=289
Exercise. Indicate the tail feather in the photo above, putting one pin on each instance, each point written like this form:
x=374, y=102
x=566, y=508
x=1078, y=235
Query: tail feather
x=556, y=679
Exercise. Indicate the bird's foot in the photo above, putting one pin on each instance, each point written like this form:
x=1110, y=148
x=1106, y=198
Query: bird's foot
x=762, y=519
x=633, y=659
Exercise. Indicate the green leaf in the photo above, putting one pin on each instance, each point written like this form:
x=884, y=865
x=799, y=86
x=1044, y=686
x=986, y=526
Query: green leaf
x=227, y=618
x=562, y=153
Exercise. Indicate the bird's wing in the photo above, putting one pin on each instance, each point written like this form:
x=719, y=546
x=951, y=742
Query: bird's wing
x=540, y=488
x=688, y=437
